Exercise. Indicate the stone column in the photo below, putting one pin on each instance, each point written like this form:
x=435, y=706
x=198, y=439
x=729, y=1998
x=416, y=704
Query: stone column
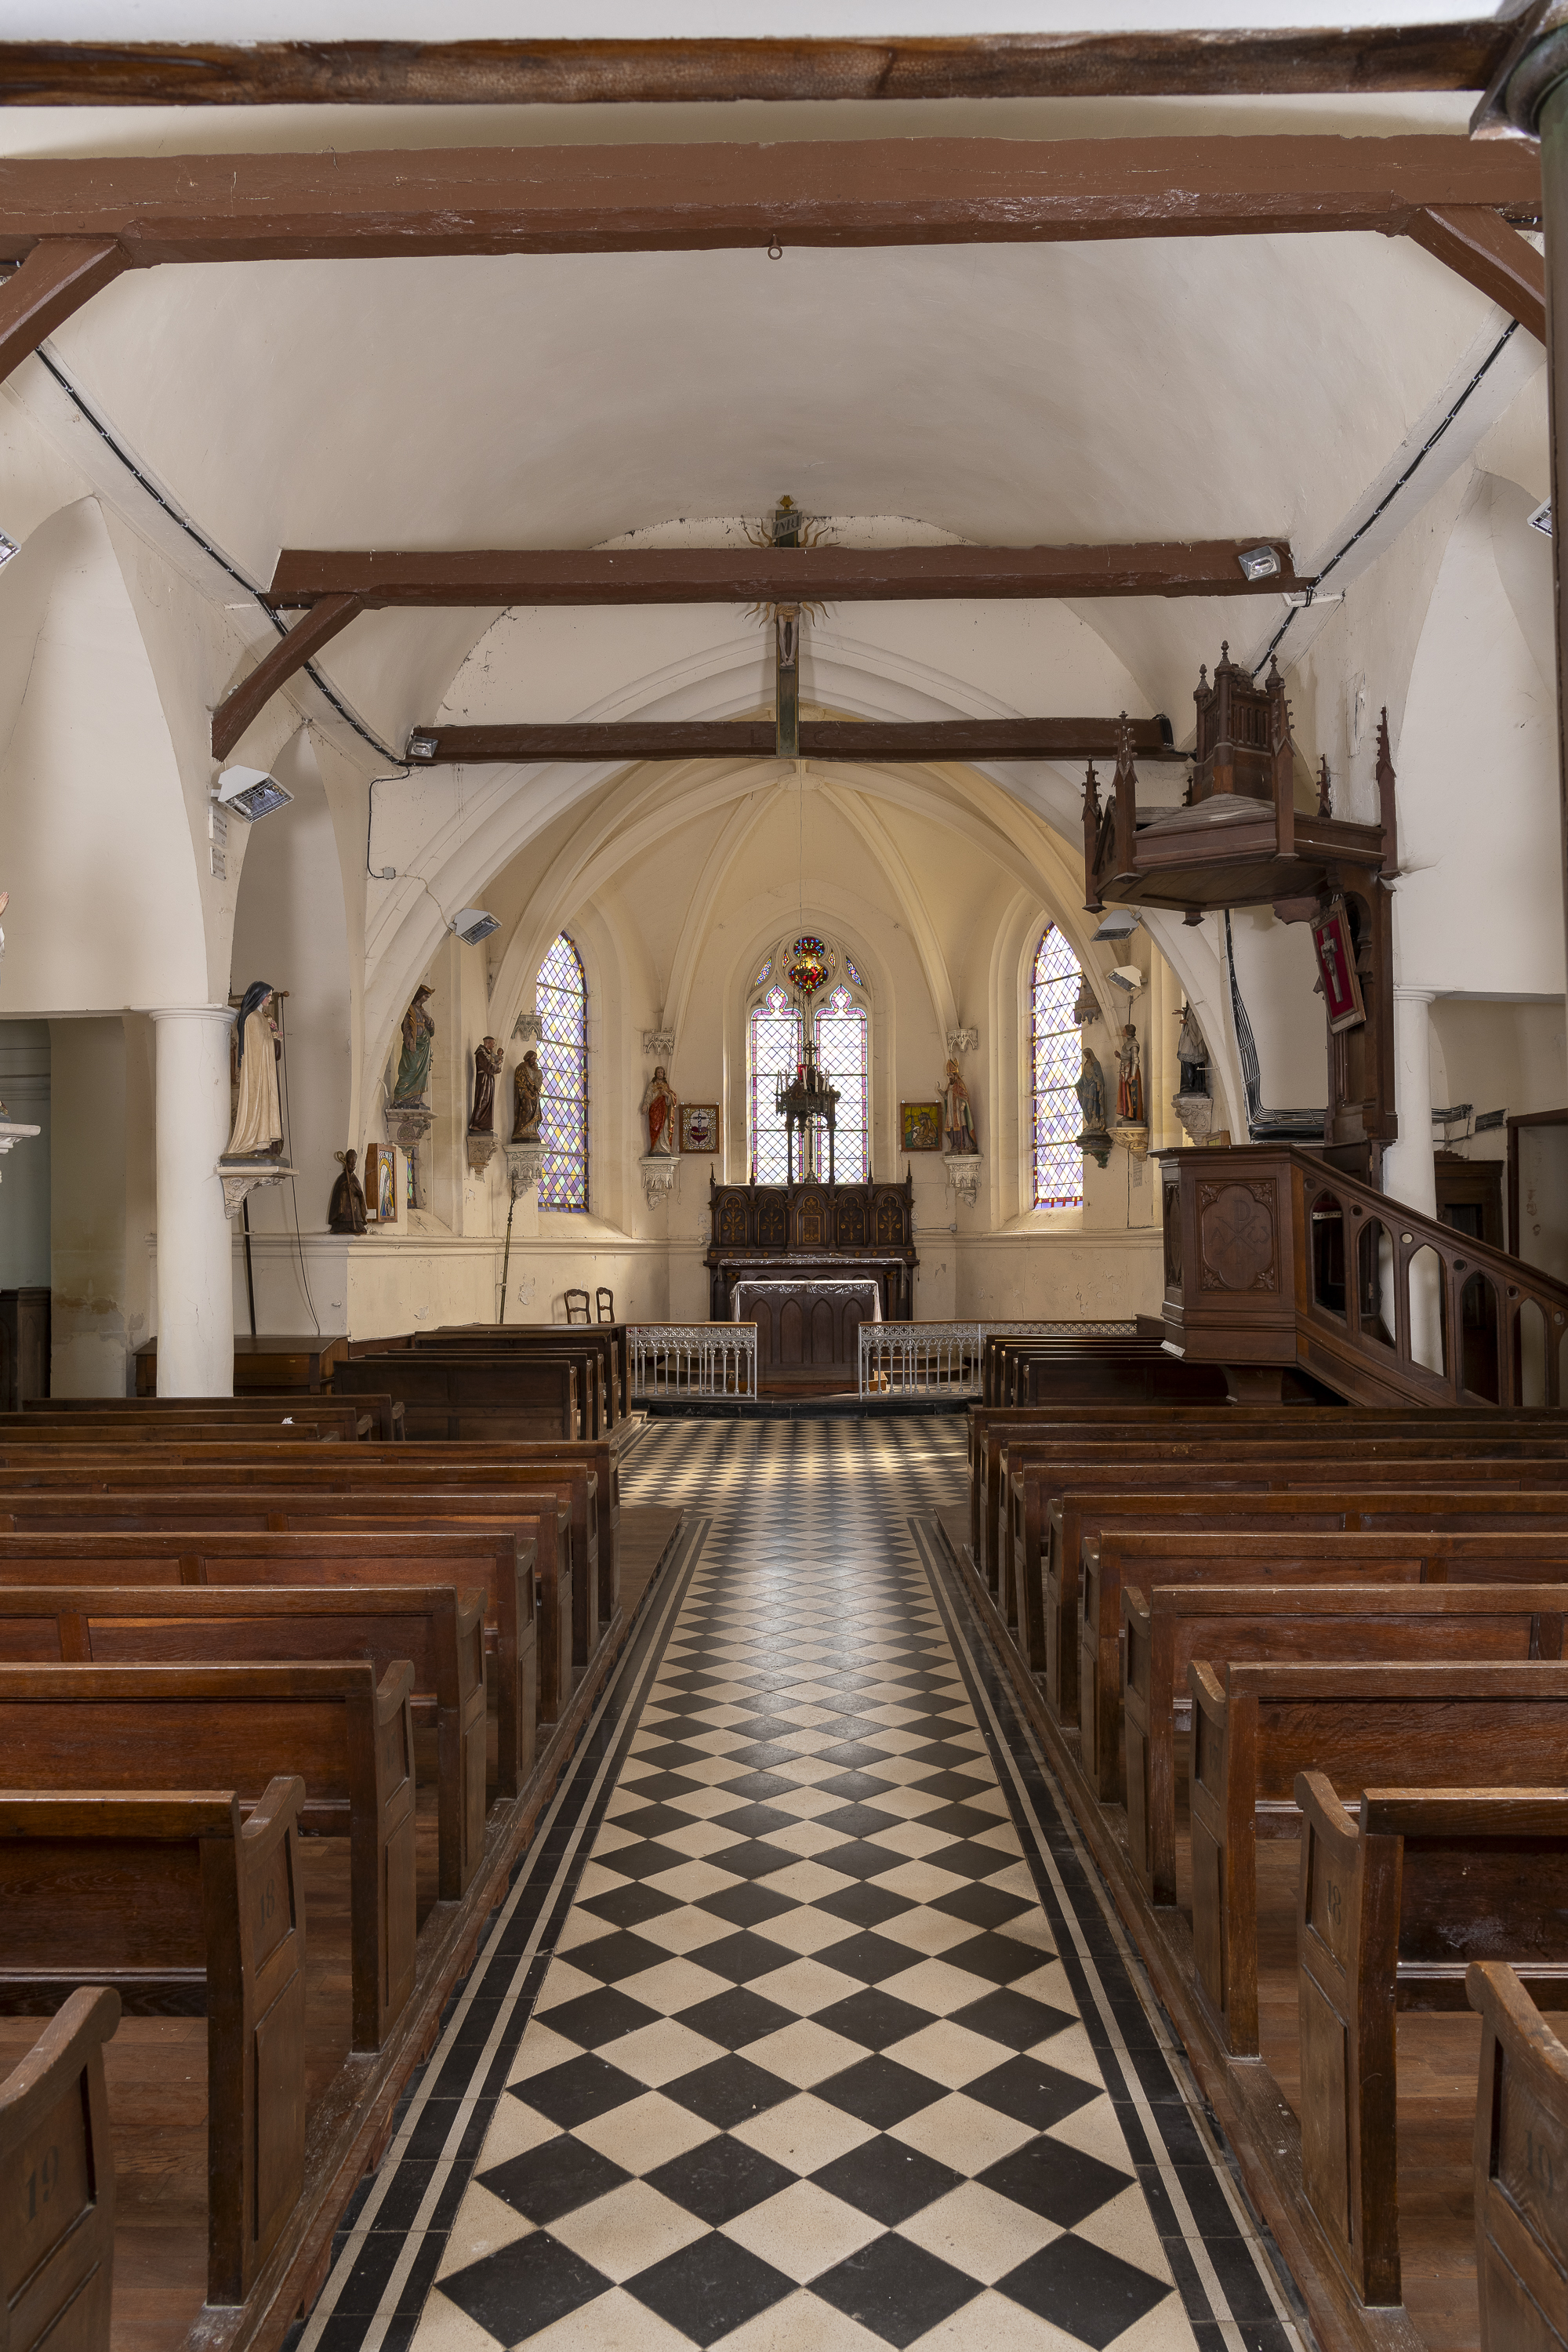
x=1408, y=1174
x=196, y=1277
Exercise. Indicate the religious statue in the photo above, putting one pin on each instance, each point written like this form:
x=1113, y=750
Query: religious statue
x=958, y=1119
x=414, y=1063
x=1130, y=1084
x=528, y=1085
x=661, y=1103
x=346, y=1210
x=258, y=1118
x=1090, y=1093
x=488, y=1059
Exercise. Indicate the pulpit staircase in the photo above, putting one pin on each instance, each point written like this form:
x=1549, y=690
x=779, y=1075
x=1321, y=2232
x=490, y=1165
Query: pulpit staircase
x=1289, y=1274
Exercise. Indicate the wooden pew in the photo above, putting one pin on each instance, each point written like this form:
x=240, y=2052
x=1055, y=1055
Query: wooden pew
x=499, y=1337
x=337, y=1424
x=57, y=2185
x=438, y=1629
x=259, y=1406
x=1387, y=1612
x=186, y=1549
x=1521, y=2163
x=167, y=1894
x=1395, y=1895
x=458, y=1397
x=1435, y=1725
x=344, y=1730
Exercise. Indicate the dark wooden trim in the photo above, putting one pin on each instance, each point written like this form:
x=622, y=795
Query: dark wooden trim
x=766, y=575
x=692, y=198
x=1480, y=245
x=55, y=279
x=585, y=73
x=820, y=739
x=303, y=642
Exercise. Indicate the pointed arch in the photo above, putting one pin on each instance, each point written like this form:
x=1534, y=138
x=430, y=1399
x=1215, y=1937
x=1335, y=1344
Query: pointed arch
x=1055, y=1063
x=561, y=998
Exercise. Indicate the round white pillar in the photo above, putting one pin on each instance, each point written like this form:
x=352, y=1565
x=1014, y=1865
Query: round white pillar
x=1407, y=1170
x=196, y=1277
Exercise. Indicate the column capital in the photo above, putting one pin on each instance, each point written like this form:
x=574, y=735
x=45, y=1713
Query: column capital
x=228, y=1013
x=1404, y=993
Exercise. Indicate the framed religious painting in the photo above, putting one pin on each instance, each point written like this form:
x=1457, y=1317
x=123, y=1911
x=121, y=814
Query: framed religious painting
x=700, y=1127
x=380, y=1184
x=1335, y=950
x=920, y=1126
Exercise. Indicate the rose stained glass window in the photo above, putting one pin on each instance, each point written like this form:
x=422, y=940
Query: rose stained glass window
x=841, y=1050
x=773, y=1051
x=1057, y=1060
x=561, y=999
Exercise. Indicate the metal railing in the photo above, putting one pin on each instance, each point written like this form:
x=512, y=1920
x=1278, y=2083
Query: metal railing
x=692, y=1360
x=944, y=1358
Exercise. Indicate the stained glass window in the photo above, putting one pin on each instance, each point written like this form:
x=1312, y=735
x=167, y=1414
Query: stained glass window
x=841, y=1050
x=849, y=968
x=1057, y=1056
x=758, y=977
x=774, y=1051
x=561, y=999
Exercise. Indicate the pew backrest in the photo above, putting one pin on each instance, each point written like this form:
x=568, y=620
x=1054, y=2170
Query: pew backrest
x=1520, y=2167
x=57, y=2185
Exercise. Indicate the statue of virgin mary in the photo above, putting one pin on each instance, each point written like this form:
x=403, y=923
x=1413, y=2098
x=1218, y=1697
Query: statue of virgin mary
x=257, y=1119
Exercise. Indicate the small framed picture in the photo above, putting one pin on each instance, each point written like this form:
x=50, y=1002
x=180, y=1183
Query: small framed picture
x=700, y=1127
x=1336, y=967
x=920, y=1126
x=380, y=1184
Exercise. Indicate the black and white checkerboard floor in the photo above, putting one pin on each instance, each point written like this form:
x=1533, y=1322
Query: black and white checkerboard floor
x=804, y=2026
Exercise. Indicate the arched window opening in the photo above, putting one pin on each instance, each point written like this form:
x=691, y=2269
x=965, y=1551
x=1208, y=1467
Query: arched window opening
x=773, y=1052
x=561, y=999
x=841, y=1031
x=841, y=1049
x=1057, y=1064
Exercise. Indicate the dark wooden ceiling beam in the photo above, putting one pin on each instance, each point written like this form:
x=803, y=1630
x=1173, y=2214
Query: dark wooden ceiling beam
x=685, y=72
x=820, y=739
x=693, y=198
x=236, y=712
x=767, y=575
x=1480, y=245
x=55, y=278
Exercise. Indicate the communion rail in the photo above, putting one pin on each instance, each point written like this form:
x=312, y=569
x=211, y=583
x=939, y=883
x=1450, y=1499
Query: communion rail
x=1276, y=1261
x=692, y=1360
x=944, y=1358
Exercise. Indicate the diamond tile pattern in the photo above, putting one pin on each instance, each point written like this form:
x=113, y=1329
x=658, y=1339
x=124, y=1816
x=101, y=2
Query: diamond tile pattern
x=804, y=2040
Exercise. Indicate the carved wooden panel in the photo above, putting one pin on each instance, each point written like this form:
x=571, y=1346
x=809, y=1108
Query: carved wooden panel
x=772, y=1224
x=852, y=1223
x=1238, y=1241
x=731, y=1221
x=891, y=1218
x=811, y=1220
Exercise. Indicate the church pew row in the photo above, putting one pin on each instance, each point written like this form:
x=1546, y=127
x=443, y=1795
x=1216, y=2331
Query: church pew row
x=543, y=1397
x=344, y=1728
x=254, y=1410
x=1519, y=2166
x=438, y=1631
x=1415, y=1724
x=406, y=1359
x=503, y=1338
x=57, y=2250
x=164, y=1894
x=1395, y=1896
x=1311, y=1611
x=187, y=1542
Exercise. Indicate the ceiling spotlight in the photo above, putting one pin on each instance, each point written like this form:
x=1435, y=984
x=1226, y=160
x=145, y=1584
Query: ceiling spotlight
x=8, y=547
x=252, y=791
x=1128, y=976
x=1539, y=521
x=473, y=924
x=1258, y=563
x=421, y=747
x=1118, y=924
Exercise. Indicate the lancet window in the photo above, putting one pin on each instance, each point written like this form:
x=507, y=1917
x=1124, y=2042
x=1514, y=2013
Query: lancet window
x=1056, y=1052
x=561, y=999
x=841, y=1029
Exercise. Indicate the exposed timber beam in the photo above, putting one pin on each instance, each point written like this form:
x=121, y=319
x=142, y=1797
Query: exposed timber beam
x=766, y=575
x=692, y=198
x=1480, y=245
x=56, y=278
x=289, y=656
x=820, y=739
x=1460, y=56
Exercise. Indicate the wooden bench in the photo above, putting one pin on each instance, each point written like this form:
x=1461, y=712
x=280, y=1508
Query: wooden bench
x=454, y=1397
x=180, y=1545
x=57, y=2185
x=167, y=1895
x=1520, y=2167
x=501, y=1339
x=438, y=1629
x=1387, y=1612
x=1436, y=1725
x=1395, y=1896
x=258, y=1408
x=344, y=1728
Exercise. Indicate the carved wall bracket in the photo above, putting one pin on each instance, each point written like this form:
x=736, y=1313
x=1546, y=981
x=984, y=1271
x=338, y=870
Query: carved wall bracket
x=963, y=1174
x=529, y=1030
x=525, y=1165
x=962, y=1041
x=659, y=1171
x=408, y=1124
x=1134, y=1137
x=241, y=1178
x=482, y=1149
x=659, y=1042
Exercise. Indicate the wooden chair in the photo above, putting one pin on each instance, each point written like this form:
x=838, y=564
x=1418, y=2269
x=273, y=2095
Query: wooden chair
x=57, y=2253
x=1522, y=2137
x=605, y=1304
x=577, y=1307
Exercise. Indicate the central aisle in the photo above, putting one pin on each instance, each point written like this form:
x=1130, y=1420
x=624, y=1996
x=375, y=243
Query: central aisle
x=803, y=2027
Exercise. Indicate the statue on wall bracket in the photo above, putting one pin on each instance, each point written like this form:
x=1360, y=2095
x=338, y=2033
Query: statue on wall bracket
x=488, y=1059
x=259, y=1116
x=958, y=1118
x=413, y=1062
x=662, y=1105
x=1095, y=1140
x=527, y=1086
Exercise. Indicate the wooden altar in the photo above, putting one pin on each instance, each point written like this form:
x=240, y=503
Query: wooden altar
x=807, y=1233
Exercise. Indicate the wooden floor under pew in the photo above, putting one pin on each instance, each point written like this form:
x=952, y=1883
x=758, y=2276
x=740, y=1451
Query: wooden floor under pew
x=155, y=2067
x=1253, y=2102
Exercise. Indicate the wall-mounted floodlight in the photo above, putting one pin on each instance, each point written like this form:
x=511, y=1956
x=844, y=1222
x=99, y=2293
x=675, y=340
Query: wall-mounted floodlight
x=1118, y=924
x=252, y=791
x=7, y=548
x=420, y=747
x=1539, y=521
x=473, y=924
x=1260, y=563
x=1127, y=976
